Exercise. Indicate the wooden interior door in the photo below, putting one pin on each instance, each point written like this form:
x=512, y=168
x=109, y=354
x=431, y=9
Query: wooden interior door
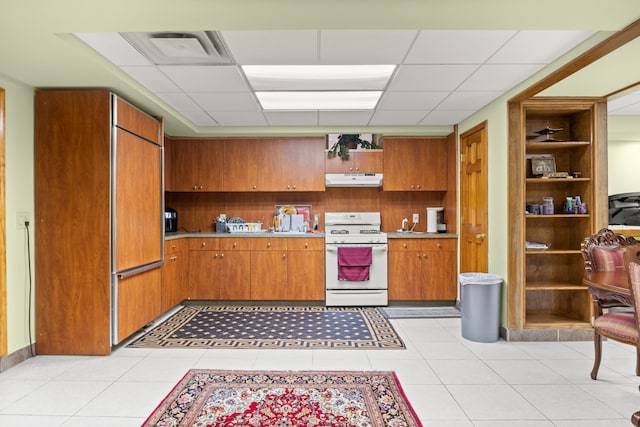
x=473, y=200
x=3, y=238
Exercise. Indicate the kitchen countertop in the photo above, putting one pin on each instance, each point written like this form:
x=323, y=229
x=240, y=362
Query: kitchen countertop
x=184, y=234
x=391, y=235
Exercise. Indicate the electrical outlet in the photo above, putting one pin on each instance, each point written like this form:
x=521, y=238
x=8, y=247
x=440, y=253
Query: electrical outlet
x=416, y=218
x=21, y=218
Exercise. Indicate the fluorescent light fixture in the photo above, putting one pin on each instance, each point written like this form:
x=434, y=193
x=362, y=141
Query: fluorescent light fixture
x=318, y=77
x=349, y=100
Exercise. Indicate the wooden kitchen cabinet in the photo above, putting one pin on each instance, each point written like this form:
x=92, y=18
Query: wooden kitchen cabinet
x=195, y=164
x=94, y=156
x=219, y=269
x=422, y=270
x=291, y=164
x=305, y=269
x=268, y=269
x=415, y=163
x=359, y=161
x=174, y=270
x=241, y=164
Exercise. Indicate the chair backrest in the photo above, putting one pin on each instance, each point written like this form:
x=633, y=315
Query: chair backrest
x=632, y=265
x=602, y=251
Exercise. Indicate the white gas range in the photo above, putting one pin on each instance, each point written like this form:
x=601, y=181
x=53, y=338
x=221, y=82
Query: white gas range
x=355, y=259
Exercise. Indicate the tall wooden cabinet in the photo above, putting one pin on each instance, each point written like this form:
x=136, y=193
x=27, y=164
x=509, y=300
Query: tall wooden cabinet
x=405, y=158
x=546, y=296
x=98, y=220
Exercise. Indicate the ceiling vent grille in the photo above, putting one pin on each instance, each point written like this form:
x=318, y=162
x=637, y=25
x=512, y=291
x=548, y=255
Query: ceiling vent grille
x=180, y=48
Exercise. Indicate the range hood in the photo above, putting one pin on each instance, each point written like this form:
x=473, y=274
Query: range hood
x=353, y=180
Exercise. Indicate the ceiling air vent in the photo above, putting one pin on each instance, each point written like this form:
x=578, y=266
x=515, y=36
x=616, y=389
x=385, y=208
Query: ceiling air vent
x=180, y=48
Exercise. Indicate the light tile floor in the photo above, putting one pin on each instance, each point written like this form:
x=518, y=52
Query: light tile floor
x=450, y=381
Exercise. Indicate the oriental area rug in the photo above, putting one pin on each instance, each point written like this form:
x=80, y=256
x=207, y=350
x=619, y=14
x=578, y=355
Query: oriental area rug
x=285, y=398
x=264, y=327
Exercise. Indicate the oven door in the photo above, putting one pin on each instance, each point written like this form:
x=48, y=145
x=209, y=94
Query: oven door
x=377, y=270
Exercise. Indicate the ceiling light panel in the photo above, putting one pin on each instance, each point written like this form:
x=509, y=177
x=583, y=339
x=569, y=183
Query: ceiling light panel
x=318, y=77
x=318, y=100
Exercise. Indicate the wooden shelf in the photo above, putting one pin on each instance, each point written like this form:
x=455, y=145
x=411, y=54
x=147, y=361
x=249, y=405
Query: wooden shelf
x=548, y=180
x=548, y=145
x=557, y=216
x=553, y=321
x=553, y=252
x=554, y=286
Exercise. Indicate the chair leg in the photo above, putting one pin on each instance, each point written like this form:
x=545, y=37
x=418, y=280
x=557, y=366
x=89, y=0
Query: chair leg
x=597, y=344
x=637, y=361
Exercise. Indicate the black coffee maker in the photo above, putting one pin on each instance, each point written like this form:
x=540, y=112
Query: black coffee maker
x=170, y=220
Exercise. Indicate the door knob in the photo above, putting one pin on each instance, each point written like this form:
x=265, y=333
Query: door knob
x=481, y=236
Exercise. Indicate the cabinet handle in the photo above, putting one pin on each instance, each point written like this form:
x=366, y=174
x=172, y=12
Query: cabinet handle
x=294, y=186
x=195, y=187
x=203, y=244
x=350, y=169
x=284, y=256
x=215, y=255
x=268, y=244
x=222, y=255
x=424, y=255
x=418, y=255
x=173, y=258
x=306, y=245
x=439, y=245
x=417, y=186
x=412, y=186
x=404, y=245
x=288, y=187
x=255, y=186
x=173, y=246
x=235, y=244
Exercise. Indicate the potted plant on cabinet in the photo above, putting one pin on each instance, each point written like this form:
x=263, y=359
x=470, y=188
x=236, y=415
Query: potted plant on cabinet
x=349, y=141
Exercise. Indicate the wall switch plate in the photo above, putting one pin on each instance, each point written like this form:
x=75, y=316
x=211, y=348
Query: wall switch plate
x=416, y=218
x=21, y=218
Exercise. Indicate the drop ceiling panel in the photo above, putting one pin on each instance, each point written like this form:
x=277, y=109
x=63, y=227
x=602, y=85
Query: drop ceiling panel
x=468, y=100
x=344, y=118
x=411, y=100
x=273, y=47
x=199, y=117
x=535, y=47
x=180, y=101
x=292, y=118
x=152, y=78
x=206, y=78
x=430, y=77
x=456, y=47
x=225, y=101
x=365, y=47
x=445, y=117
x=499, y=77
x=236, y=118
x=397, y=117
x=113, y=47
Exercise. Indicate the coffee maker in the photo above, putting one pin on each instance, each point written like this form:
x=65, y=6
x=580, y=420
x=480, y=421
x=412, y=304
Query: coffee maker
x=170, y=220
x=435, y=220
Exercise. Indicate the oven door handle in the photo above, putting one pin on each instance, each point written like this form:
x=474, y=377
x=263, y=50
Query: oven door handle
x=375, y=248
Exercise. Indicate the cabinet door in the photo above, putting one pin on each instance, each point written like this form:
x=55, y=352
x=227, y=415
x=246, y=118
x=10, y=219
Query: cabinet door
x=196, y=164
x=365, y=161
x=268, y=275
x=203, y=275
x=234, y=275
x=292, y=164
x=173, y=279
x=415, y=164
x=241, y=165
x=404, y=276
x=305, y=270
x=138, y=302
x=138, y=201
x=439, y=275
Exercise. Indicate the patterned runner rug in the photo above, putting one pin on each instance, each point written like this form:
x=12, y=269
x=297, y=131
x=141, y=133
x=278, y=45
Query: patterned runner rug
x=310, y=327
x=285, y=398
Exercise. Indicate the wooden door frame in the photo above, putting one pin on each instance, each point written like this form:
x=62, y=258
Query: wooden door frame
x=3, y=236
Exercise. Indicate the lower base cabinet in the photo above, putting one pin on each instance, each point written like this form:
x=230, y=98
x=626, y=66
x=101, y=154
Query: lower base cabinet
x=138, y=301
x=422, y=270
x=174, y=283
x=305, y=270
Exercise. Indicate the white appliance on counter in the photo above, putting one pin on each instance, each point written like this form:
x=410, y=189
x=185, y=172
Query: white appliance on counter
x=355, y=230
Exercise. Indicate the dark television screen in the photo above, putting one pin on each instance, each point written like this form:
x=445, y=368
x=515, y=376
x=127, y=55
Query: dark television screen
x=624, y=209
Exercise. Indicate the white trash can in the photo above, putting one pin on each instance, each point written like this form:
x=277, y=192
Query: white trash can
x=480, y=295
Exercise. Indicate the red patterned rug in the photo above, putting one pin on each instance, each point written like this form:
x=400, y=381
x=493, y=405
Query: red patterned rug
x=285, y=398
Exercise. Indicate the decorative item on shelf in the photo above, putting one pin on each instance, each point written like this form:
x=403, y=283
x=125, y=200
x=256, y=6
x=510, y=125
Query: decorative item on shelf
x=341, y=144
x=543, y=165
x=547, y=132
x=557, y=175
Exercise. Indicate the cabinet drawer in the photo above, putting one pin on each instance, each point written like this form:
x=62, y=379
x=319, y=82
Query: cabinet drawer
x=438, y=245
x=204, y=244
x=235, y=244
x=269, y=244
x=312, y=244
x=404, y=244
x=173, y=246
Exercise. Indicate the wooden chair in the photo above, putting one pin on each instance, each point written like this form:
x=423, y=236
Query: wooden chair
x=604, y=251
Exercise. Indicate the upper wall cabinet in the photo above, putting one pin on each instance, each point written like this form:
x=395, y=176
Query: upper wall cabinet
x=193, y=165
x=359, y=161
x=415, y=163
x=245, y=164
